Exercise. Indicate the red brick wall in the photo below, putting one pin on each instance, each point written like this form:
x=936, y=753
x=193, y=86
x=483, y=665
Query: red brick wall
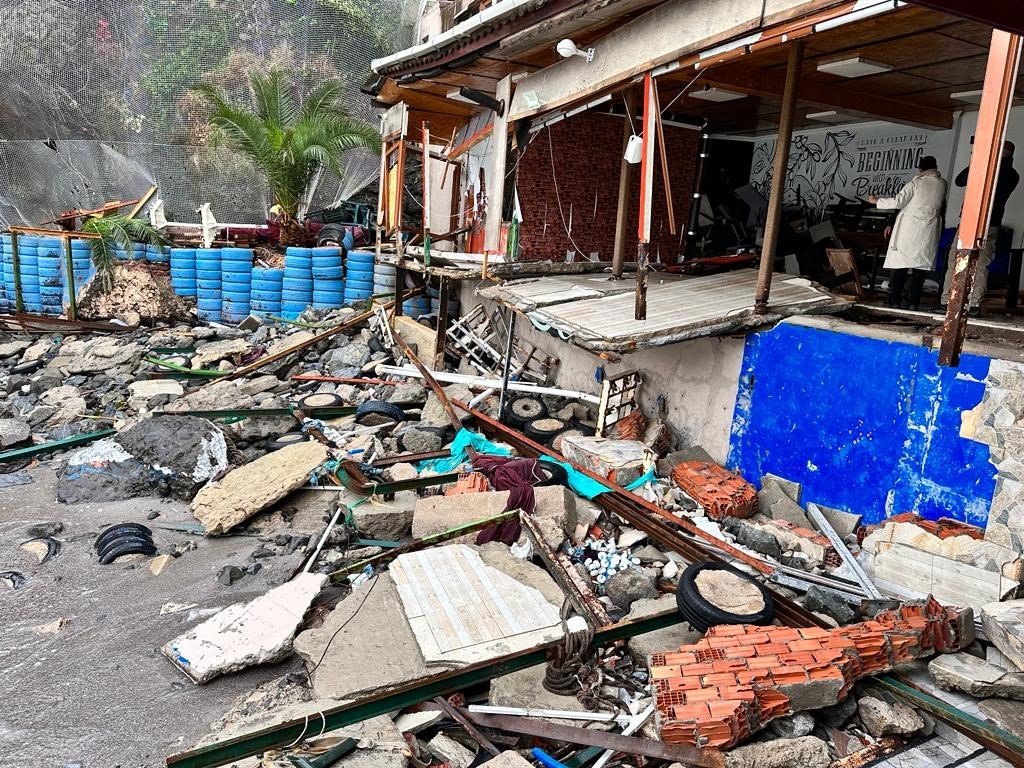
x=587, y=161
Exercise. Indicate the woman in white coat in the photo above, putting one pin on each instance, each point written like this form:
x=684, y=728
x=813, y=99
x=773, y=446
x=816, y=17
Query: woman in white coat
x=914, y=242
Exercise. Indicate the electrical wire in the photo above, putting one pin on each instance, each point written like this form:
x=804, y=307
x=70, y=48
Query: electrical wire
x=685, y=89
x=558, y=197
x=309, y=675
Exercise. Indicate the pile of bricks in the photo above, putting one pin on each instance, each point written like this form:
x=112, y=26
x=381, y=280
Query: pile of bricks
x=720, y=492
x=944, y=527
x=720, y=690
x=469, y=482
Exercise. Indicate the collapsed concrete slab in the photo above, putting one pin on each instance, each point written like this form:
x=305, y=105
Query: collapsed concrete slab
x=643, y=646
x=621, y=461
x=243, y=492
x=245, y=634
x=365, y=644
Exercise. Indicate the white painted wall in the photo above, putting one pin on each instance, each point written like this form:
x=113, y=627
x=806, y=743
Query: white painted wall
x=699, y=378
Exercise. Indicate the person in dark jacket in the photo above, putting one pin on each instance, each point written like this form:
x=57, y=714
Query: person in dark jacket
x=1005, y=185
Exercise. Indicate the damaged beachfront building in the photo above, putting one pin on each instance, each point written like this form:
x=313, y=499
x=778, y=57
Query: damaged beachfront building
x=680, y=189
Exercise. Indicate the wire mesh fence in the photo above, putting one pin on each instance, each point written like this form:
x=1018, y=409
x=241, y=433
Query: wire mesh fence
x=96, y=101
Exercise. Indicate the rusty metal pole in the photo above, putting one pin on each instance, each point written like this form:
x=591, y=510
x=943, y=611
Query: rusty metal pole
x=996, y=100
x=625, y=182
x=646, y=197
x=778, y=191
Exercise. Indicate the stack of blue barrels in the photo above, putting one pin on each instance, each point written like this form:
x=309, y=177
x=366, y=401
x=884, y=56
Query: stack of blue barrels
x=28, y=269
x=417, y=306
x=208, y=285
x=7, y=263
x=297, y=287
x=183, y=271
x=49, y=266
x=359, y=284
x=328, y=278
x=156, y=254
x=267, y=286
x=236, y=283
x=81, y=262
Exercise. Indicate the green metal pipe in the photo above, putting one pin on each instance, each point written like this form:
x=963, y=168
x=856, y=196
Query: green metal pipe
x=56, y=445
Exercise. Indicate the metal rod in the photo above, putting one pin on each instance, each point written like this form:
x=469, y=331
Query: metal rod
x=69, y=265
x=778, y=188
x=19, y=301
x=625, y=179
x=469, y=728
x=483, y=381
x=840, y=547
x=506, y=370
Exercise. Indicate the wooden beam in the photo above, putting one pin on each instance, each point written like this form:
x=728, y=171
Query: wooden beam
x=499, y=154
x=1004, y=14
x=625, y=179
x=759, y=82
x=646, y=196
x=986, y=157
x=778, y=189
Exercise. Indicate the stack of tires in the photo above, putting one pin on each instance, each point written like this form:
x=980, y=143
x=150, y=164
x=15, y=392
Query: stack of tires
x=28, y=269
x=297, y=287
x=417, y=306
x=267, y=285
x=156, y=254
x=81, y=262
x=138, y=252
x=359, y=284
x=328, y=278
x=236, y=283
x=383, y=280
x=183, y=271
x=208, y=285
x=49, y=265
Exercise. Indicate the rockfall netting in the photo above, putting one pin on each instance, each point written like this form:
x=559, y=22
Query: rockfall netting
x=96, y=101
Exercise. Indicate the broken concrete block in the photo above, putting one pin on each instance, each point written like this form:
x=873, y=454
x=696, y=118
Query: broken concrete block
x=435, y=514
x=414, y=722
x=434, y=414
x=660, y=640
x=843, y=523
x=388, y=520
x=265, y=383
x=967, y=673
x=621, y=461
x=789, y=487
x=365, y=644
x=159, y=563
x=102, y=471
x=693, y=453
x=775, y=502
x=13, y=431
x=805, y=752
x=449, y=751
x=245, y=634
x=1008, y=715
x=792, y=727
x=243, y=492
x=825, y=601
x=185, y=452
x=883, y=719
x=626, y=587
x=507, y=759
x=215, y=351
x=525, y=688
x=144, y=389
x=1004, y=626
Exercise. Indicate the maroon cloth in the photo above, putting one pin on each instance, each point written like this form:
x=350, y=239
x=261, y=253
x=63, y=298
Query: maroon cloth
x=517, y=476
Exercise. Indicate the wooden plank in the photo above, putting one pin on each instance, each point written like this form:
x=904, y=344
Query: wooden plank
x=499, y=155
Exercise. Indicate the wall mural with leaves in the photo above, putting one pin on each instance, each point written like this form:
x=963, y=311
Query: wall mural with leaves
x=854, y=162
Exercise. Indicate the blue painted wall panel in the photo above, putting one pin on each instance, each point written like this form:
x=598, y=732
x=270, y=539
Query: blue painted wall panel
x=865, y=425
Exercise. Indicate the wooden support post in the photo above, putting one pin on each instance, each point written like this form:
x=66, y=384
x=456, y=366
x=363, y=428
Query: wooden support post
x=646, y=197
x=19, y=300
x=69, y=266
x=442, y=323
x=499, y=154
x=778, y=190
x=663, y=152
x=625, y=179
x=996, y=100
x=426, y=194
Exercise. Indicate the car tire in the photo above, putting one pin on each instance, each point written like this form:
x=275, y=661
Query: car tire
x=379, y=407
x=702, y=614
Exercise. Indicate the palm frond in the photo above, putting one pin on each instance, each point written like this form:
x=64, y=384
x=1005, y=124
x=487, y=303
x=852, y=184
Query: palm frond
x=275, y=98
x=325, y=98
x=117, y=233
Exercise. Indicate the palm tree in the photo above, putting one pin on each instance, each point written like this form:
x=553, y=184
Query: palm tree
x=117, y=233
x=288, y=141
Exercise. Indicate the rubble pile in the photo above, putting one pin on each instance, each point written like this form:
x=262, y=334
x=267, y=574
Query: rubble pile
x=397, y=541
